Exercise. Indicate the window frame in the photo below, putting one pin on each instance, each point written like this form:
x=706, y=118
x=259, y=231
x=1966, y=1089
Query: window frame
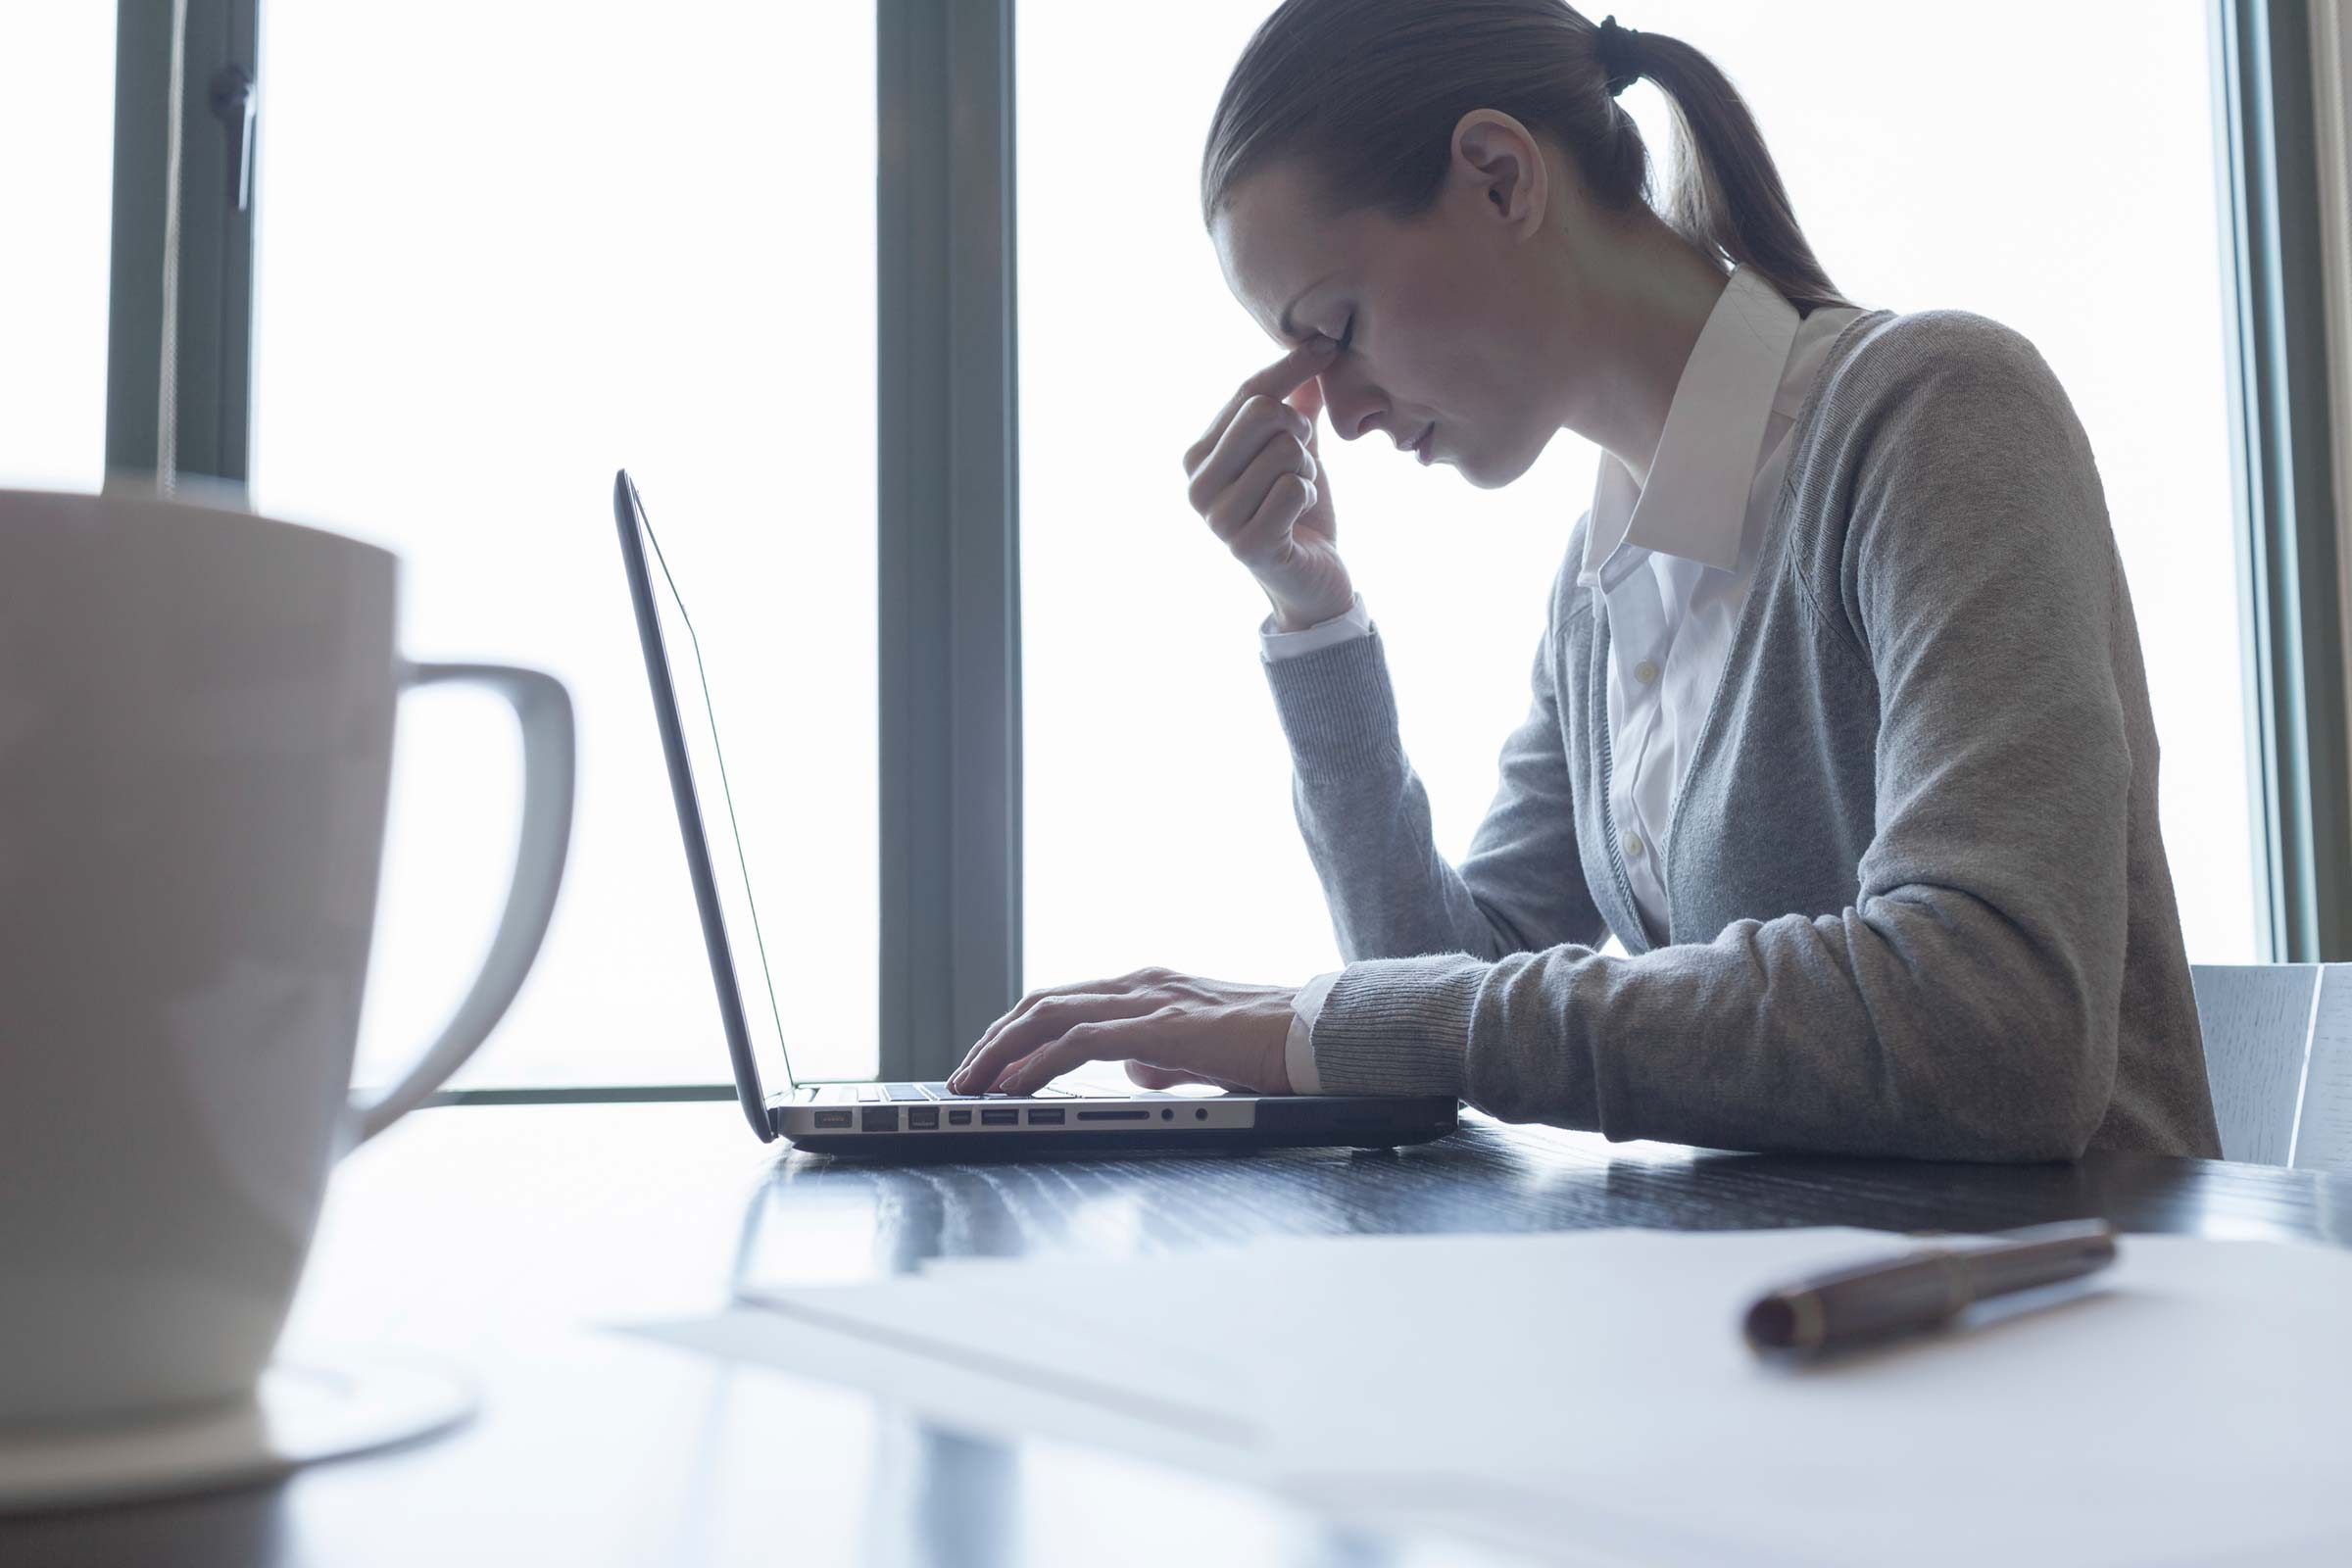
x=2290, y=612
x=179, y=323
x=948, y=454
x=949, y=531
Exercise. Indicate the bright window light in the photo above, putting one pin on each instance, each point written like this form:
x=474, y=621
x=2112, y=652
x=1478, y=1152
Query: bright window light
x=57, y=119
x=502, y=251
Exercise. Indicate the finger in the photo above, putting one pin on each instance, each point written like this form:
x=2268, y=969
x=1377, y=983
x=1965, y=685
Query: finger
x=1231, y=511
x=1145, y=1076
x=1027, y=1075
x=1045, y=1023
x=1020, y=1010
x=1265, y=539
x=1261, y=422
x=1171, y=1042
x=1028, y=1009
x=1307, y=398
x=1129, y=981
x=1104, y=1040
x=1276, y=380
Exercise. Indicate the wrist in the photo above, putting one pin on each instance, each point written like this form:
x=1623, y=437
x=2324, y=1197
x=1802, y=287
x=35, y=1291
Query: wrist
x=1289, y=619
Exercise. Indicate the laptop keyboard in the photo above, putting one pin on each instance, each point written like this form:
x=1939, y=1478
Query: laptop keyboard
x=875, y=1093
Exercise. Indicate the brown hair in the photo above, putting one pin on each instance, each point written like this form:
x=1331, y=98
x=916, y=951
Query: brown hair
x=1369, y=91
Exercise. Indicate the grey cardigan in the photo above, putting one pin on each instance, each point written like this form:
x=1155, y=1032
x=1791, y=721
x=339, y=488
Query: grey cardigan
x=1918, y=901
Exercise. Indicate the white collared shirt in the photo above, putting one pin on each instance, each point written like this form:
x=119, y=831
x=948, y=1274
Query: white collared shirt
x=1669, y=564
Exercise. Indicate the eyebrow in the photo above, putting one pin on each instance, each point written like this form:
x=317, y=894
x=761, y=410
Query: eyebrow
x=1287, y=329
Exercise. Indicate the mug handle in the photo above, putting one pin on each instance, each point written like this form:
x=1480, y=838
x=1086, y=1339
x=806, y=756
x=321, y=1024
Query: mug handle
x=544, y=710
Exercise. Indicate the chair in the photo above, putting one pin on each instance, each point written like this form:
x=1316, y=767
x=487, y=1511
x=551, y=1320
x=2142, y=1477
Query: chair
x=2279, y=1057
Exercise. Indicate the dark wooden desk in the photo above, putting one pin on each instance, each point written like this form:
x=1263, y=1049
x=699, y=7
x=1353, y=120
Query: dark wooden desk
x=503, y=1239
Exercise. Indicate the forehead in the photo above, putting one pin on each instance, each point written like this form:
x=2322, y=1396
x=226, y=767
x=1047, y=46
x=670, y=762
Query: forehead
x=1275, y=239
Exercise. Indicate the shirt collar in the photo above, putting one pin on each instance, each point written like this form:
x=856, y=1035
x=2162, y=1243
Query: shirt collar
x=1696, y=504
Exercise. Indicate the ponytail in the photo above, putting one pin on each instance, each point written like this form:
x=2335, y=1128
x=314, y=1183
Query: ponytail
x=1368, y=93
x=1728, y=198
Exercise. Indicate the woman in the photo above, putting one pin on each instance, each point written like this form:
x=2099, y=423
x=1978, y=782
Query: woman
x=1839, y=721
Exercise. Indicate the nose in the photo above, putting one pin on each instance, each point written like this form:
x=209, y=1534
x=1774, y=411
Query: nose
x=1352, y=403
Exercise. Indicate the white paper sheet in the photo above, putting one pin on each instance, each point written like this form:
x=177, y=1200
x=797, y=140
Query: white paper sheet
x=954, y=1394
x=2196, y=1408
x=1587, y=1394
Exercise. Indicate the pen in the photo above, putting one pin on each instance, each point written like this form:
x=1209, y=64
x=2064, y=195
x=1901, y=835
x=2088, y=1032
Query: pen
x=1922, y=1289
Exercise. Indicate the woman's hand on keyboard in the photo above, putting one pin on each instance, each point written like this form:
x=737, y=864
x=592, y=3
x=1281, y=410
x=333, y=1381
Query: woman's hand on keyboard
x=1168, y=1028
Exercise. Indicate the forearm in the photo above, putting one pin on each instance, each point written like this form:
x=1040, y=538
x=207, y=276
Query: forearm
x=1365, y=818
x=1924, y=1024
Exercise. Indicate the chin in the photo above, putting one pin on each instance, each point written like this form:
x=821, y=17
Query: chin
x=1491, y=470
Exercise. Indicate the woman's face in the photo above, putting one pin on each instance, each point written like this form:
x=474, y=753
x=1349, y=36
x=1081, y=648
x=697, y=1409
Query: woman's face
x=1448, y=323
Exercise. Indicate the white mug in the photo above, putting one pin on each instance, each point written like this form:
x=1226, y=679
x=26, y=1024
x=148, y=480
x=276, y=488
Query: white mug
x=196, y=715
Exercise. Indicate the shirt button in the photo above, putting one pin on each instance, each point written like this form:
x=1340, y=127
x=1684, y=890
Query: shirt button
x=1646, y=672
x=1633, y=845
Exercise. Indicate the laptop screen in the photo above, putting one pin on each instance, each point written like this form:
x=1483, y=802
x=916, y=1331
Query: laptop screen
x=697, y=775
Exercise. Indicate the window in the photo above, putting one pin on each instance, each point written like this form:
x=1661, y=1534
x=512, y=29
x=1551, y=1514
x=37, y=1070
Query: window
x=1158, y=824
x=488, y=276
x=53, y=274
x=652, y=242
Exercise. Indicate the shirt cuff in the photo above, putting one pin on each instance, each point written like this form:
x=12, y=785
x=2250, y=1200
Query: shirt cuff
x=1298, y=1053
x=1353, y=622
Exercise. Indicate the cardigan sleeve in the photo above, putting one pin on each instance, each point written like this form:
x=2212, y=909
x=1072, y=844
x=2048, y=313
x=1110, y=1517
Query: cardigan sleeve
x=1366, y=818
x=1965, y=1004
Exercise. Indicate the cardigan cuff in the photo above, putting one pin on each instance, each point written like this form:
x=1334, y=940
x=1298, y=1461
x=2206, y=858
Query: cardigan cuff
x=1399, y=1026
x=1337, y=709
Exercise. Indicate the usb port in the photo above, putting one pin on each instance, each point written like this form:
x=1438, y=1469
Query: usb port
x=998, y=1118
x=832, y=1118
x=878, y=1118
x=1044, y=1118
x=960, y=1118
x=922, y=1120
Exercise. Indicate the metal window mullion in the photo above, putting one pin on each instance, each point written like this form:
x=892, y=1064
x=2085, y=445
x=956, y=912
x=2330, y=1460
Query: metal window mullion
x=2293, y=621
x=948, y=555
x=2332, y=92
x=182, y=248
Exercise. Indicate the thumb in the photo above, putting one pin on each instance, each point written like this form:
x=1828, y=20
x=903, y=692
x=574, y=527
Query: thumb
x=1147, y=1076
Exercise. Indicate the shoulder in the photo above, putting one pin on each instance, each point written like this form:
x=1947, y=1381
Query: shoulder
x=1931, y=396
x=1943, y=448
x=1893, y=365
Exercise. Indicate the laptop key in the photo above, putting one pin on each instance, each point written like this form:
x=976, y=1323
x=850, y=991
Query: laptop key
x=903, y=1091
x=870, y=1092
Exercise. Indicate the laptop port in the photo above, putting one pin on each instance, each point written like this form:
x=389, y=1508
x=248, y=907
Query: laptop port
x=832, y=1118
x=1044, y=1118
x=922, y=1120
x=1114, y=1115
x=998, y=1118
x=960, y=1118
x=878, y=1118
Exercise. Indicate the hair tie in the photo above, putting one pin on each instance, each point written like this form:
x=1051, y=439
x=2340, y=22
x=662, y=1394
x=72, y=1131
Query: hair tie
x=1615, y=48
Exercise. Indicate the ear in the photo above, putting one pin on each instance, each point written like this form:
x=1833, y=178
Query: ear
x=1498, y=162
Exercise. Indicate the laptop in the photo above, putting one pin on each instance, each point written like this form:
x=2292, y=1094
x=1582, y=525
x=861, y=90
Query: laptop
x=912, y=1120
